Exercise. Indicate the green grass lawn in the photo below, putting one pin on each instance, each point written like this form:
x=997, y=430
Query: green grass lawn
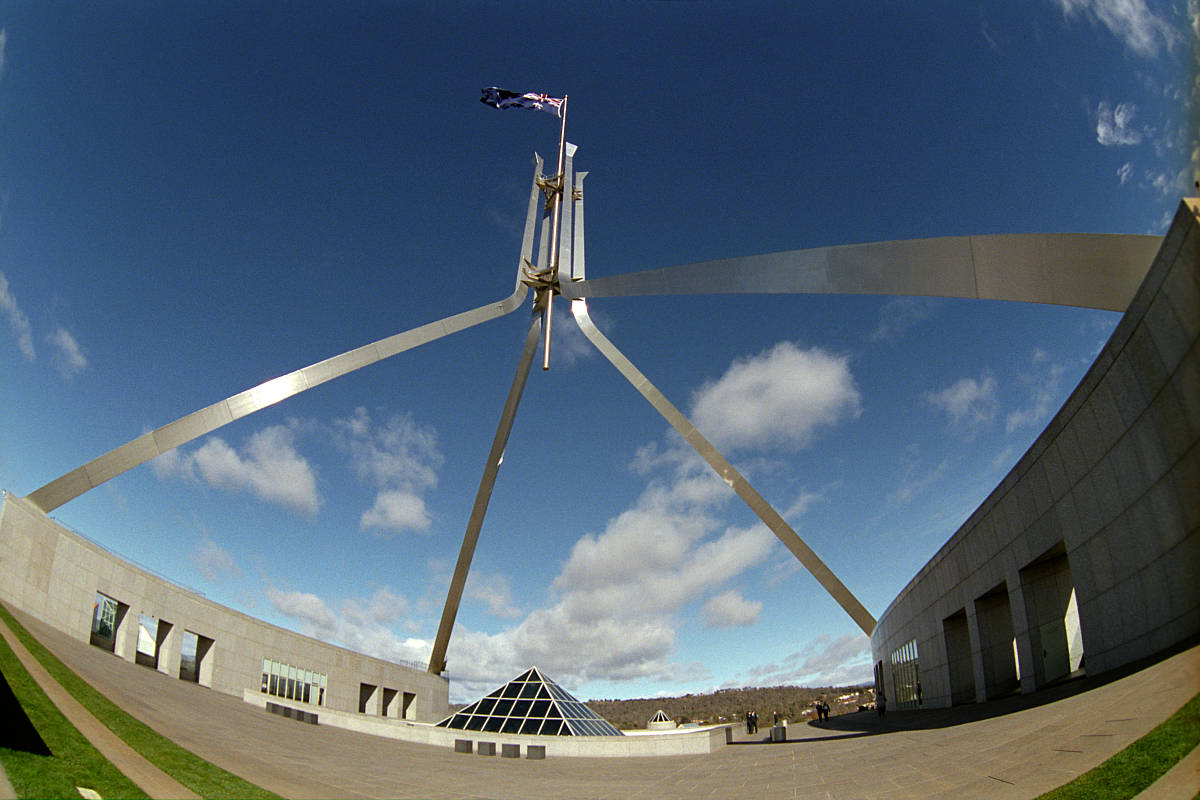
x=73, y=761
x=1139, y=765
x=205, y=779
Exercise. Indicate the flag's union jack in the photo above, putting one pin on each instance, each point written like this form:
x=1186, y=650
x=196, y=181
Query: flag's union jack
x=502, y=98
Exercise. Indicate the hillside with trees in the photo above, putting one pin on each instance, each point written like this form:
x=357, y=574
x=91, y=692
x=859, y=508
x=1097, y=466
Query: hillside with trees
x=793, y=703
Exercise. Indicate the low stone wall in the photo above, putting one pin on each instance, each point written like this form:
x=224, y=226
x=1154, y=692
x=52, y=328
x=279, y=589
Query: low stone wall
x=693, y=741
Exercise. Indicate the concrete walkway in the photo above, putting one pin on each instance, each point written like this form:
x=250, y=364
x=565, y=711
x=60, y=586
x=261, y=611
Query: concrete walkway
x=131, y=763
x=1018, y=747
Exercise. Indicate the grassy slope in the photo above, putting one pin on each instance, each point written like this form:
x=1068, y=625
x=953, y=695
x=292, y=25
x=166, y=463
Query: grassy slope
x=207, y=780
x=73, y=761
x=1139, y=765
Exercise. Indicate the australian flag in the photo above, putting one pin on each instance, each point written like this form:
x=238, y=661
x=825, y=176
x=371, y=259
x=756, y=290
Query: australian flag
x=502, y=98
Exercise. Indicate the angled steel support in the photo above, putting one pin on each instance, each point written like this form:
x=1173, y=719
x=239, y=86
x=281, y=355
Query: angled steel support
x=1072, y=269
x=206, y=420
x=770, y=517
x=437, y=660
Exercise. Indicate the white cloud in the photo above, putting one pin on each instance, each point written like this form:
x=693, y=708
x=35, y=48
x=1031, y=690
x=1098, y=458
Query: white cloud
x=399, y=458
x=1114, y=126
x=730, y=610
x=214, y=562
x=16, y=317
x=1125, y=172
x=70, y=358
x=3, y=44
x=778, y=398
x=396, y=510
x=970, y=403
x=268, y=467
x=1131, y=21
x=825, y=661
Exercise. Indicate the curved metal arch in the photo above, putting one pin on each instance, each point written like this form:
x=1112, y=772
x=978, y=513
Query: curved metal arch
x=1072, y=269
x=208, y=419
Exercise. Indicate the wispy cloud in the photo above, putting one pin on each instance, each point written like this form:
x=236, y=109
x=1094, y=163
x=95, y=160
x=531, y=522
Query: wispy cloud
x=69, y=356
x=213, y=562
x=730, y=610
x=495, y=592
x=899, y=314
x=1043, y=382
x=1114, y=126
x=825, y=661
x=400, y=459
x=17, y=320
x=969, y=402
x=362, y=624
x=3, y=44
x=1125, y=173
x=1137, y=27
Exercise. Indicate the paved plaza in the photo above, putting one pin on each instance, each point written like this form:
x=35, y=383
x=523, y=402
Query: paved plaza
x=1016, y=747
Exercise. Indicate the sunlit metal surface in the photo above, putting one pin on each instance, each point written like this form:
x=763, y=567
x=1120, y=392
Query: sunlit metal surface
x=206, y=420
x=765, y=512
x=491, y=468
x=1087, y=270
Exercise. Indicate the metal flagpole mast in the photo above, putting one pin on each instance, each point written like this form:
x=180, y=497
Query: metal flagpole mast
x=548, y=307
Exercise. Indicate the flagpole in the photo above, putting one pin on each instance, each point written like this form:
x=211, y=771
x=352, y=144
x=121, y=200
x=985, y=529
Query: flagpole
x=558, y=198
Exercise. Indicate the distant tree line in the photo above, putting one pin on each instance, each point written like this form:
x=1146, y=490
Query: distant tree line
x=793, y=703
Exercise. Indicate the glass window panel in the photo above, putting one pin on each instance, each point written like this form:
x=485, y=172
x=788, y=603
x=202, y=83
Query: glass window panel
x=512, y=690
x=553, y=714
x=485, y=705
x=521, y=708
x=493, y=724
x=321, y=697
x=527, y=675
x=265, y=678
x=511, y=725
x=274, y=678
x=530, y=690
x=543, y=692
x=474, y=723
x=503, y=707
x=531, y=725
x=307, y=691
x=539, y=708
x=291, y=673
x=267, y=665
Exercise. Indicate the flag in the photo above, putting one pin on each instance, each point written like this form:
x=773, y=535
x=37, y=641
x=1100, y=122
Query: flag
x=502, y=98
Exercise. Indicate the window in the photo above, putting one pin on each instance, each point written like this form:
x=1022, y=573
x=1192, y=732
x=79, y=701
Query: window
x=906, y=675
x=292, y=682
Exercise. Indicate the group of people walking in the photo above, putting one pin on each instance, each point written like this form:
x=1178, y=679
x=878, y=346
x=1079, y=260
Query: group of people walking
x=822, y=709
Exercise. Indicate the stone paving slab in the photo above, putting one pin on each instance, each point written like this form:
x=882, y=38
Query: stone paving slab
x=1017, y=747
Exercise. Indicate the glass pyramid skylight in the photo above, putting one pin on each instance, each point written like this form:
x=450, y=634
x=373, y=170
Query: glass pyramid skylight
x=531, y=703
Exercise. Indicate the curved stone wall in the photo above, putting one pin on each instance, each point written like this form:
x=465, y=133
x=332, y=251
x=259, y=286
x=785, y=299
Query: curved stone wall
x=1087, y=555
x=65, y=581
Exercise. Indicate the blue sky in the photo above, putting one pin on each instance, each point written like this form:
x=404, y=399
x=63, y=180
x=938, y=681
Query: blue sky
x=198, y=197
